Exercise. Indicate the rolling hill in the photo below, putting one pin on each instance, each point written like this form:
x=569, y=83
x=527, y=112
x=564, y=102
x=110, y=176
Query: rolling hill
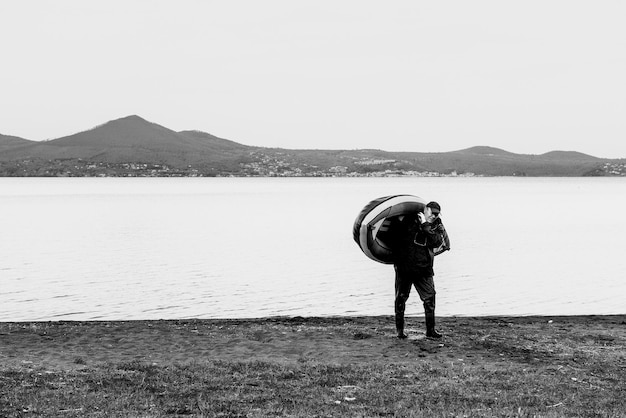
x=110, y=148
x=132, y=139
x=11, y=142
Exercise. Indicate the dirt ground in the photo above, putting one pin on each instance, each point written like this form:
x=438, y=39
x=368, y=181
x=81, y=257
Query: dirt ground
x=68, y=345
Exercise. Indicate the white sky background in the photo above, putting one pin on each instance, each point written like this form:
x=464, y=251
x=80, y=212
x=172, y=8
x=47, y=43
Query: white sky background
x=526, y=76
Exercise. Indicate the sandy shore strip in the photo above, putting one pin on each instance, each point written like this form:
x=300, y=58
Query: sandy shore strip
x=70, y=345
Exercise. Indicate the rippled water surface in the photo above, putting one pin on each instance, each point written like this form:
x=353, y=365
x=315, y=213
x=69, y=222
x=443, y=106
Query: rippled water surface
x=121, y=248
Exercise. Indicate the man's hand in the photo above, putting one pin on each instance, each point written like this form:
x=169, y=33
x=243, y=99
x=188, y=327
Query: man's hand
x=421, y=217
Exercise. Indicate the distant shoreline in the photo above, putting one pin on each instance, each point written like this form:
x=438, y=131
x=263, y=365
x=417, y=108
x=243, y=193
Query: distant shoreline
x=133, y=146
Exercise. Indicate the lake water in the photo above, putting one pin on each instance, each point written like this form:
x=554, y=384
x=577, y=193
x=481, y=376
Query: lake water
x=165, y=248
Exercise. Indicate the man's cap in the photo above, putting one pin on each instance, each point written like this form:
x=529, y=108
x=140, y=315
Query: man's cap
x=434, y=205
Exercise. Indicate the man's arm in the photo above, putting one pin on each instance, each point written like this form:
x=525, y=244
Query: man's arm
x=433, y=238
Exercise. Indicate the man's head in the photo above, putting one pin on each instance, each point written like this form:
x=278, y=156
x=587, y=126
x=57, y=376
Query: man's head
x=432, y=208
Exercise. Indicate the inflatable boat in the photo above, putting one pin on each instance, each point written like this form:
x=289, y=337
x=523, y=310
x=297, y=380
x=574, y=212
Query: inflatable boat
x=373, y=227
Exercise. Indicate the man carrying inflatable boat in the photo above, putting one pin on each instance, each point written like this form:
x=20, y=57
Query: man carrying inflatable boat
x=418, y=238
x=407, y=232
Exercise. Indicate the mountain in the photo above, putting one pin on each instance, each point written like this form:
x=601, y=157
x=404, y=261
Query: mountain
x=135, y=146
x=133, y=139
x=568, y=155
x=484, y=150
x=8, y=142
x=215, y=143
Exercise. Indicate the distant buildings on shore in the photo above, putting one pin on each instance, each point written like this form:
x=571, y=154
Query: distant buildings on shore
x=266, y=167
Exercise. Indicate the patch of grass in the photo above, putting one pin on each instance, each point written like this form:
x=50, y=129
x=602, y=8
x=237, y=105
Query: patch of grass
x=305, y=367
x=250, y=389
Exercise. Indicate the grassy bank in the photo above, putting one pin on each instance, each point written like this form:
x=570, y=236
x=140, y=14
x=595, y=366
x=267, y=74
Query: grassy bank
x=525, y=366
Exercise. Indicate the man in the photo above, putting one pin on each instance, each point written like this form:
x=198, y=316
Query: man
x=413, y=264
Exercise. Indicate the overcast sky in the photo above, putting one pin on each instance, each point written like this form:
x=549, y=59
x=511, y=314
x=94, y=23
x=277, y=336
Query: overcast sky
x=526, y=76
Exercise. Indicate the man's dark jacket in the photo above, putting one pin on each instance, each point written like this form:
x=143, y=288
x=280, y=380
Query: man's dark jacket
x=414, y=244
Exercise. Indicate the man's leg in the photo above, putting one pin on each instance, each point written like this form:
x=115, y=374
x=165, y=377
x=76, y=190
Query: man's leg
x=403, y=290
x=430, y=320
x=426, y=288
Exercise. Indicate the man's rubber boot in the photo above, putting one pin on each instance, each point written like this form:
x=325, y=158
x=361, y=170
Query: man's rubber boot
x=430, y=326
x=400, y=326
